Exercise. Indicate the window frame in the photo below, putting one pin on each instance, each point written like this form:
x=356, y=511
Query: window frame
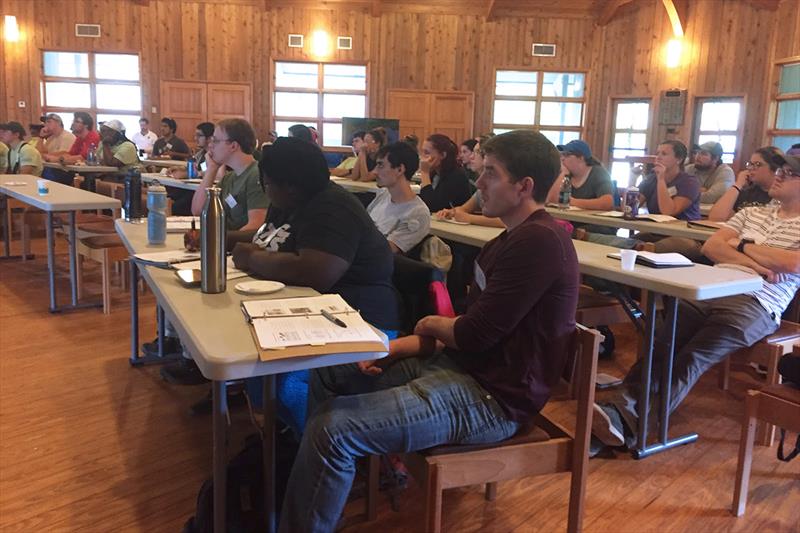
x=697, y=108
x=320, y=91
x=772, y=118
x=608, y=160
x=92, y=81
x=539, y=99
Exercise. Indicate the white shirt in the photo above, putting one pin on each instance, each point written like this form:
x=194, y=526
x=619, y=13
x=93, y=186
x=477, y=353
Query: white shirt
x=762, y=225
x=144, y=142
x=404, y=224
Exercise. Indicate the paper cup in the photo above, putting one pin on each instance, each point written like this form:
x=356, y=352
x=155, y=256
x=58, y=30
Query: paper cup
x=628, y=258
x=43, y=187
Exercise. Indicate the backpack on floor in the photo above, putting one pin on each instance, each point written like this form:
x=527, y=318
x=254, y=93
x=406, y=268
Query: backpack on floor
x=789, y=369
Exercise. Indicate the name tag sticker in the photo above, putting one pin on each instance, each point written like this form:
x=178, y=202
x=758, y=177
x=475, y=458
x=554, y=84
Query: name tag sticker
x=231, y=201
x=673, y=191
x=480, y=277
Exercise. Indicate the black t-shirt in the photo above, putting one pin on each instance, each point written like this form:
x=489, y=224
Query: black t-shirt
x=446, y=190
x=335, y=222
x=175, y=144
x=751, y=196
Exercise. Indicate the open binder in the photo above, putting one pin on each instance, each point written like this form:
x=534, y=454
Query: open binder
x=296, y=327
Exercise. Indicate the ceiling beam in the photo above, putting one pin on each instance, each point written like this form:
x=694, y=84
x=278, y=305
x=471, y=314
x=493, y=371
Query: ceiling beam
x=610, y=8
x=674, y=18
x=490, y=10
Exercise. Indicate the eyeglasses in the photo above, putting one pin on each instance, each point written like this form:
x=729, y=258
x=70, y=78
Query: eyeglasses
x=787, y=173
x=198, y=135
x=214, y=140
x=753, y=165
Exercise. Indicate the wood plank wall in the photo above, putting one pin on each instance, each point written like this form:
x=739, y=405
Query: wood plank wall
x=730, y=47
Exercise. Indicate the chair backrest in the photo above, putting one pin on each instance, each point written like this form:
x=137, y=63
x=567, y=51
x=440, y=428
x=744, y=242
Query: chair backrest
x=421, y=291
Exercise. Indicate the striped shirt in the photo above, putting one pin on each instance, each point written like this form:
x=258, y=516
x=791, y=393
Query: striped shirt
x=764, y=227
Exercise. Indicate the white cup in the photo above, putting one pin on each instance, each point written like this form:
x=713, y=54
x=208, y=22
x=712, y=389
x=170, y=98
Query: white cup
x=43, y=187
x=628, y=258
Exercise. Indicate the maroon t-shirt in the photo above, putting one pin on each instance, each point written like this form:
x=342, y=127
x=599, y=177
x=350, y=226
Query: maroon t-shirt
x=82, y=144
x=515, y=334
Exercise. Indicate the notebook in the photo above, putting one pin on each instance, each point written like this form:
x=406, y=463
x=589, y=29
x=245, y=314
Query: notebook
x=654, y=260
x=231, y=272
x=643, y=216
x=167, y=258
x=705, y=224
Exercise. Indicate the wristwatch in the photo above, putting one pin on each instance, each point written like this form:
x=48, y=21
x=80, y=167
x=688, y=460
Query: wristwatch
x=742, y=244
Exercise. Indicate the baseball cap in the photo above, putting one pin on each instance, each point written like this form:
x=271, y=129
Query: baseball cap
x=793, y=162
x=114, y=124
x=53, y=116
x=713, y=148
x=576, y=147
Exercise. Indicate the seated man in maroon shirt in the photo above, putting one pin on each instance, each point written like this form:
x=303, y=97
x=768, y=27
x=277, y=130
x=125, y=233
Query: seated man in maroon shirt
x=466, y=380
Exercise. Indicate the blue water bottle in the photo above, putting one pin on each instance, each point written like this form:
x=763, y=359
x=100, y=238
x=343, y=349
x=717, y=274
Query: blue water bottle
x=156, y=213
x=191, y=169
x=615, y=194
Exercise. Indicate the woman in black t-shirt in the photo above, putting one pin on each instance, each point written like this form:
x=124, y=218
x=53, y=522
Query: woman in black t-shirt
x=751, y=184
x=443, y=182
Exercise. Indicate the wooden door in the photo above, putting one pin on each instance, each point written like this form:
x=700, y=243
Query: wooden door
x=229, y=100
x=451, y=114
x=412, y=108
x=185, y=102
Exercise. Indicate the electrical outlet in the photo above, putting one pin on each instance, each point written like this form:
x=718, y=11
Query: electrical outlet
x=154, y=109
x=21, y=104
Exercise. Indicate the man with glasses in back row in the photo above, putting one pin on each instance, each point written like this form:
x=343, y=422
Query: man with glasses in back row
x=763, y=239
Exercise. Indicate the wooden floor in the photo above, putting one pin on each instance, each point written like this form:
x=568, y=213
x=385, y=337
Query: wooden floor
x=89, y=444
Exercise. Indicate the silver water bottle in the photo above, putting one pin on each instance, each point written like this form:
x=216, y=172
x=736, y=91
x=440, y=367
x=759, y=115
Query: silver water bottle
x=212, y=244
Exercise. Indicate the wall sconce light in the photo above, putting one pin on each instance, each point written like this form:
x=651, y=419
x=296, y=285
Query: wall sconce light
x=11, y=30
x=674, y=51
x=320, y=43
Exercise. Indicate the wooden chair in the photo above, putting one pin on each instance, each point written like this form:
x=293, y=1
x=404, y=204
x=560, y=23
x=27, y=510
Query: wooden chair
x=774, y=404
x=543, y=447
x=767, y=352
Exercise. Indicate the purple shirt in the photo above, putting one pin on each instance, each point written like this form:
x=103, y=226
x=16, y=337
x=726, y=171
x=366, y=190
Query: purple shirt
x=520, y=316
x=684, y=185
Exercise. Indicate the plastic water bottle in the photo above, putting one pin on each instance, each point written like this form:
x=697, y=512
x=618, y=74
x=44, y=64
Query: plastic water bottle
x=213, y=264
x=564, y=193
x=191, y=169
x=156, y=213
x=91, y=156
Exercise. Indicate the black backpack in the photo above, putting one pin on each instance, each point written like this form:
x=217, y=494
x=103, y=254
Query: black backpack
x=789, y=369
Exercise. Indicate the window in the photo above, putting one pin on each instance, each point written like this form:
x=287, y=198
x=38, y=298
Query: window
x=549, y=102
x=785, y=130
x=718, y=119
x=107, y=86
x=318, y=95
x=628, y=135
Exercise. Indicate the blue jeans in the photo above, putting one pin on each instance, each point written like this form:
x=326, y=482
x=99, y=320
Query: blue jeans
x=412, y=405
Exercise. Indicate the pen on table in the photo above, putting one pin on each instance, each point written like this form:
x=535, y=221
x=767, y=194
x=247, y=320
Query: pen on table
x=333, y=319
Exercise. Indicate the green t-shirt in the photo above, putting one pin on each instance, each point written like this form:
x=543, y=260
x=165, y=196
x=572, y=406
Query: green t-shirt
x=25, y=155
x=596, y=185
x=241, y=193
x=348, y=164
x=3, y=158
x=125, y=152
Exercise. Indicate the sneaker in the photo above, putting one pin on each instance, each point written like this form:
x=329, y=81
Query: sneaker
x=183, y=372
x=596, y=446
x=605, y=428
x=608, y=344
x=172, y=346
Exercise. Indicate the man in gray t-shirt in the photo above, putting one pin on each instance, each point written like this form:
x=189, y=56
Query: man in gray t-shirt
x=715, y=177
x=399, y=214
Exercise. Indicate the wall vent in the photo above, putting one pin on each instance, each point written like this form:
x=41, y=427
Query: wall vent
x=87, y=30
x=295, y=40
x=546, y=50
x=344, y=43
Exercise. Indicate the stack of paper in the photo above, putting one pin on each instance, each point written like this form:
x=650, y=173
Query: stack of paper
x=655, y=260
x=231, y=271
x=181, y=224
x=288, y=322
x=643, y=216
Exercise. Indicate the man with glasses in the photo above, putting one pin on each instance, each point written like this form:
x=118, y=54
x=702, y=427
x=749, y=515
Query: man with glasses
x=764, y=239
x=144, y=139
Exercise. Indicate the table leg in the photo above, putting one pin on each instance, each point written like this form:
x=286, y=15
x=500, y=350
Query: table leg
x=136, y=359
x=161, y=326
x=219, y=421
x=51, y=260
x=642, y=449
x=6, y=226
x=73, y=258
x=270, y=410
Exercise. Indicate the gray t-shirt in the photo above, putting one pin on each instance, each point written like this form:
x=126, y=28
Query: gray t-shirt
x=597, y=184
x=714, y=180
x=404, y=224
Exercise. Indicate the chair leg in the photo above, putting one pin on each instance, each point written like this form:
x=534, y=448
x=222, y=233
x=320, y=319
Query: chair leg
x=491, y=492
x=373, y=472
x=766, y=432
x=106, y=283
x=724, y=375
x=745, y=453
x=433, y=500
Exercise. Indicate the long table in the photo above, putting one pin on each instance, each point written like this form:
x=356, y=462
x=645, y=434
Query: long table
x=698, y=282
x=83, y=169
x=167, y=181
x=212, y=328
x=678, y=228
x=364, y=186
x=164, y=163
x=62, y=198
